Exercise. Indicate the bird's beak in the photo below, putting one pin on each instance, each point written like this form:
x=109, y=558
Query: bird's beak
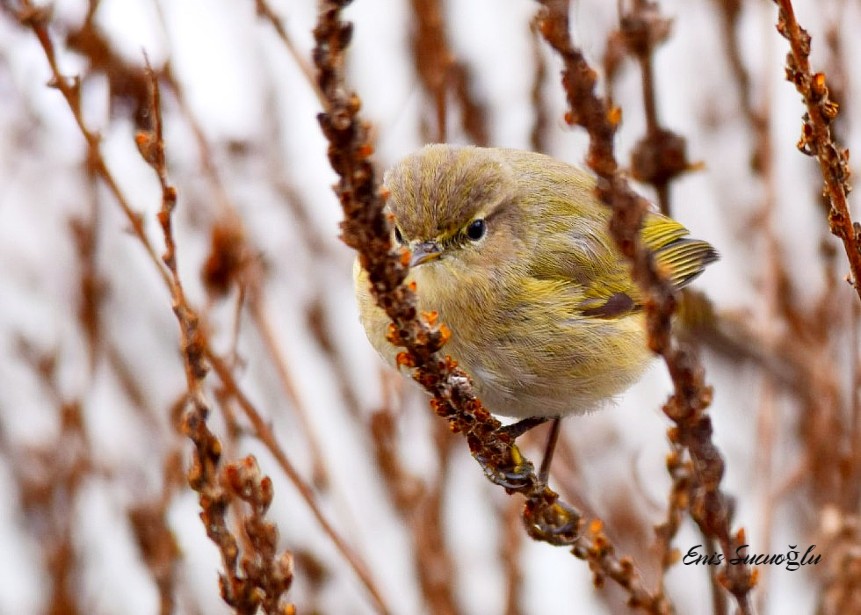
x=425, y=252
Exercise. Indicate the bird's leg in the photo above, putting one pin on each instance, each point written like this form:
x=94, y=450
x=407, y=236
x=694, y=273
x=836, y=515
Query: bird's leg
x=552, y=438
x=515, y=430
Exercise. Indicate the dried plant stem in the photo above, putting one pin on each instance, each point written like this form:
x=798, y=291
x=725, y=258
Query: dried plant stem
x=681, y=472
x=37, y=20
x=439, y=574
x=91, y=285
x=817, y=139
x=538, y=135
x=266, y=12
x=763, y=166
x=433, y=59
x=50, y=478
x=442, y=75
x=231, y=222
x=710, y=507
x=270, y=341
x=251, y=280
x=730, y=13
x=660, y=156
x=265, y=576
x=264, y=432
x=822, y=416
x=510, y=553
x=421, y=507
x=318, y=318
x=768, y=407
x=855, y=404
x=156, y=541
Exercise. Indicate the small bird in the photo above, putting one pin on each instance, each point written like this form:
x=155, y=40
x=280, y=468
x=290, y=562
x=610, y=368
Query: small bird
x=512, y=249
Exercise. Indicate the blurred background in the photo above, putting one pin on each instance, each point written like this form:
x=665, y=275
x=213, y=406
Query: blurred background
x=96, y=514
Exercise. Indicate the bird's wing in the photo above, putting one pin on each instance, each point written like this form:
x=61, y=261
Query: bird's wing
x=597, y=278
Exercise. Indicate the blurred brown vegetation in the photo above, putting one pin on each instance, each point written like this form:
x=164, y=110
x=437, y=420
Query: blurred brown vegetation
x=261, y=395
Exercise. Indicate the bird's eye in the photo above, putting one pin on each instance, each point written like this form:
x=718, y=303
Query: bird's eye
x=476, y=229
x=399, y=236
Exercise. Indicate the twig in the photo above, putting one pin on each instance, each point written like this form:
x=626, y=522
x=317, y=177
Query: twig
x=840, y=532
x=816, y=137
x=231, y=262
x=37, y=20
x=442, y=74
x=432, y=59
x=421, y=508
x=92, y=286
x=317, y=317
x=511, y=548
x=264, y=432
x=825, y=417
x=660, y=156
x=762, y=163
x=265, y=576
x=157, y=543
x=730, y=13
x=267, y=13
x=232, y=259
x=538, y=134
x=270, y=341
x=50, y=478
x=855, y=405
x=681, y=471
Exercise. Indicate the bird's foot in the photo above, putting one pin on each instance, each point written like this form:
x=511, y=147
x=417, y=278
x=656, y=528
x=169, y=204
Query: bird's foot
x=515, y=474
x=515, y=430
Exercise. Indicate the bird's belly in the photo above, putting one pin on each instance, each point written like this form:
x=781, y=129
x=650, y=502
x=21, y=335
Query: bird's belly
x=562, y=371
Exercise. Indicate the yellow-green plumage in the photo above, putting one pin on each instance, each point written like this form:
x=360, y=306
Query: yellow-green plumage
x=544, y=314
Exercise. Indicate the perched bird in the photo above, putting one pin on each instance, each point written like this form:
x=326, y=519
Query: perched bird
x=512, y=249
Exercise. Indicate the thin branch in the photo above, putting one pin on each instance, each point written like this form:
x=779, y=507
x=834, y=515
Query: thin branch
x=660, y=156
x=265, y=576
x=538, y=135
x=37, y=20
x=264, y=432
x=266, y=12
x=817, y=139
x=232, y=261
x=442, y=74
